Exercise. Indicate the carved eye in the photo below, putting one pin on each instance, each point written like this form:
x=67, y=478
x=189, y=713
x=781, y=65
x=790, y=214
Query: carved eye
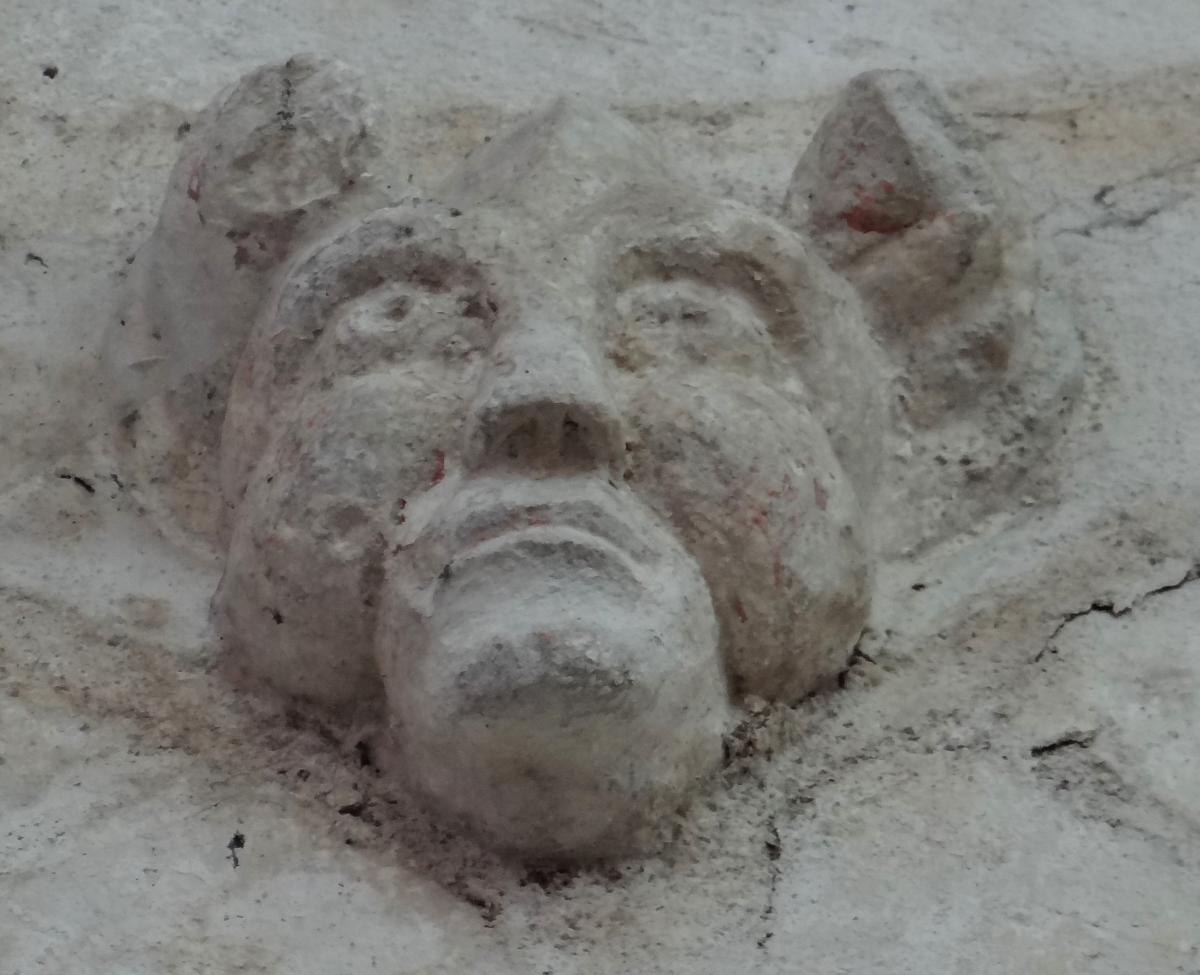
x=681, y=323
x=407, y=264
x=730, y=249
x=398, y=309
x=426, y=318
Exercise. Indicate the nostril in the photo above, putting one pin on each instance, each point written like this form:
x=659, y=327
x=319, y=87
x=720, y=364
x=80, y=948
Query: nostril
x=577, y=441
x=572, y=437
x=544, y=435
x=521, y=440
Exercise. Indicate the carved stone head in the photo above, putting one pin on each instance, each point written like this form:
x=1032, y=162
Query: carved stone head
x=560, y=462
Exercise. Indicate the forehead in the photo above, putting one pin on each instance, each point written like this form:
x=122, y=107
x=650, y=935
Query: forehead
x=573, y=205
x=602, y=246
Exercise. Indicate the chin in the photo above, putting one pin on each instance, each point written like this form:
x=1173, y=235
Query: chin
x=554, y=717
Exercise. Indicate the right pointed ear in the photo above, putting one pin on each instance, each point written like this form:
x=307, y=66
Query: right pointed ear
x=897, y=194
x=986, y=364
x=890, y=159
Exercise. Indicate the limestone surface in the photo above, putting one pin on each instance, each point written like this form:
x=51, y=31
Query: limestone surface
x=1002, y=780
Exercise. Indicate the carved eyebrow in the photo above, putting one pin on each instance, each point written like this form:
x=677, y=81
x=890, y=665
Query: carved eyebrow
x=384, y=247
x=688, y=257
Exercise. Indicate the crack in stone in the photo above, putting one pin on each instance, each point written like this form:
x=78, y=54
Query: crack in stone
x=1072, y=739
x=774, y=850
x=1158, y=172
x=857, y=656
x=1107, y=607
x=1097, y=791
x=1113, y=218
x=1124, y=221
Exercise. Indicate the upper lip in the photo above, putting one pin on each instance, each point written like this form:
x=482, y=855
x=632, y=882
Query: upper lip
x=582, y=517
x=587, y=512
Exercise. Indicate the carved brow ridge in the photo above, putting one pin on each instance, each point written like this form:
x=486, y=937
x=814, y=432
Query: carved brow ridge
x=760, y=283
x=408, y=243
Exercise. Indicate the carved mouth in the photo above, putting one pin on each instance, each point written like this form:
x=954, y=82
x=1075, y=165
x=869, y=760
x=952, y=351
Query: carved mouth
x=570, y=520
x=558, y=551
x=571, y=541
x=584, y=525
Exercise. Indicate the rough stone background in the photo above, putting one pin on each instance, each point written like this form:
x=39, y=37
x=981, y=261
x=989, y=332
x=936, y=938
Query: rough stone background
x=1010, y=782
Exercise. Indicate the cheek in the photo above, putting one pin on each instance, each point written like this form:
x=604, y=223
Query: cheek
x=749, y=481
x=311, y=536
x=371, y=441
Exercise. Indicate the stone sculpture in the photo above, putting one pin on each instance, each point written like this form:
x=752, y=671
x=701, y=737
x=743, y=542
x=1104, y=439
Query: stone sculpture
x=564, y=460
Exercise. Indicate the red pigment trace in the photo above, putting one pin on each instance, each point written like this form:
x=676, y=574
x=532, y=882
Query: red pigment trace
x=439, y=470
x=867, y=216
x=787, y=488
x=739, y=609
x=193, y=186
x=820, y=495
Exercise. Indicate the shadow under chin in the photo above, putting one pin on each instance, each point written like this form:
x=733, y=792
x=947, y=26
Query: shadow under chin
x=598, y=786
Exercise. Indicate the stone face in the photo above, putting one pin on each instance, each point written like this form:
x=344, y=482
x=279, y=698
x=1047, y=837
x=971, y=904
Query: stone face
x=563, y=463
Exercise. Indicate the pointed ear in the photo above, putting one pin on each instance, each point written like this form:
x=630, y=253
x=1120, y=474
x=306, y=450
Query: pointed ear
x=896, y=192
x=889, y=156
x=274, y=160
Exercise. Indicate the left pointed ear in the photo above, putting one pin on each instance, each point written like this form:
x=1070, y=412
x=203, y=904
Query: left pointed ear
x=274, y=160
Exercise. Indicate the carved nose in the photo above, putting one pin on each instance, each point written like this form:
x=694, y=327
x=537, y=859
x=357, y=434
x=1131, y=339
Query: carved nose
x=543, y=404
